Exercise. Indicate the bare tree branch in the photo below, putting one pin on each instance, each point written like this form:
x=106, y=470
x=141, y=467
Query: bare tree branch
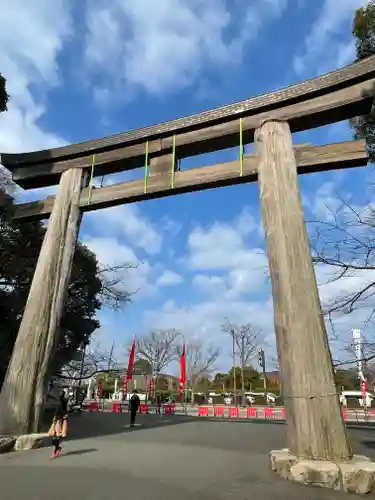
x=96, y=360
x=158, y=348
x=346, y=244
x=200, y=360
x=114, y=292
x=247, y=339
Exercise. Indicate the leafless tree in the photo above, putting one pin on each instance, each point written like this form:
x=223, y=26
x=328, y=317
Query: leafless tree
x=95, y=360
x=200, y=361
x=158, y=348
x=114, y=293
x=344, y=244
x=247, y=339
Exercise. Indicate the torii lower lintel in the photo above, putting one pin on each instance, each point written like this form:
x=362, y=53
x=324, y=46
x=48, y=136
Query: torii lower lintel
x=309, y=159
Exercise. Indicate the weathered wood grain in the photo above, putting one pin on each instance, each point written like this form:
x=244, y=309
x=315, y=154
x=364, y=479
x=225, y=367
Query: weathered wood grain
x=309, y=159
x=24, y=386
x=162, y=165
x=315, y=426
x=301, y=116
x=321, y=110
x=324, y=84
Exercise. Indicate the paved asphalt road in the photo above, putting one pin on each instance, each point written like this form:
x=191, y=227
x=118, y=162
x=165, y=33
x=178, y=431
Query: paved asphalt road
x=163, y=458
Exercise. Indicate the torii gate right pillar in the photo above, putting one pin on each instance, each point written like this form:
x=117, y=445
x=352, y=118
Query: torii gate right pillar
x=315, y=425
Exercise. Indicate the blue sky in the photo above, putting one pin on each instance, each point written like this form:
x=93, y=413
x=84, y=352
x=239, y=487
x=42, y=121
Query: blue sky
x=80, y=70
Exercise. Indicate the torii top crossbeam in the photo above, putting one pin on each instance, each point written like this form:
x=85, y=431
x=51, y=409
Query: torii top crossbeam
x=332, y=97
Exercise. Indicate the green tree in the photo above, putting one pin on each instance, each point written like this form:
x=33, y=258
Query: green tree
x=347, y=379
x=19, y=250
x=142, y=367
x=364, y=31
x=4, y=96
x=220, y=381
x=251, y=377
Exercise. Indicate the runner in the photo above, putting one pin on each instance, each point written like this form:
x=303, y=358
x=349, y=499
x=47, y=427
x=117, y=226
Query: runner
x=58, y=429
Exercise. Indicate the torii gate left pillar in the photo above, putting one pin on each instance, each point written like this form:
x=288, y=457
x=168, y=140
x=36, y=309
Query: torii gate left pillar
x=21, y=397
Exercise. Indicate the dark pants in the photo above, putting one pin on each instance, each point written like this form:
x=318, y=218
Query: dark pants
x=56, y=443
x=133, y=414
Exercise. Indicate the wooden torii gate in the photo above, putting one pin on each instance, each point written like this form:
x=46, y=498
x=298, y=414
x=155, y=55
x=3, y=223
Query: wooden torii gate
x=315, y=424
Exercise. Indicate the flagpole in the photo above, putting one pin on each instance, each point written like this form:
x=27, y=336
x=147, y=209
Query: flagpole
x=110, y=356
x=234, y=372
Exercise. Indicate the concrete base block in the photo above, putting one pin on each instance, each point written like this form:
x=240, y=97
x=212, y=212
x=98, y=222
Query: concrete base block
x=355, y=476
x=316, y=473
x=7, y=443
x=31, y=441
x=281, y=462
x=358, y=476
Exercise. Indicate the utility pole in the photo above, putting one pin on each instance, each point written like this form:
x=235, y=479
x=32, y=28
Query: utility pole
x=83, y=350
x=111, y=356
x=242, y=354
x=358, y=349
x=234, y=371
x=262, y=364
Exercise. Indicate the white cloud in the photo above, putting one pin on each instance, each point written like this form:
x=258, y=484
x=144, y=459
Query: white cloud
x=163, y=46
x=128, y=222
x=203, y=320
x=224, y=247
x=169, y=278
x=31, y=37
x=329, y=43
x=230, y=264
x=110, y=252
x=211, y=285
x=228, y=270
x=324, y=202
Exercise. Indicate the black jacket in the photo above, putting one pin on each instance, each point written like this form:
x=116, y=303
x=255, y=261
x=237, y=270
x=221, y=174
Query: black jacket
x=62, y=408
x=134, y=402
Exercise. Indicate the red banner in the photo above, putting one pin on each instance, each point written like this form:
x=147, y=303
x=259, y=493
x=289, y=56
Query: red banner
x=125, y=386
x=129, y=372
x=151, y=387
x=100, y=389
x=181, y=386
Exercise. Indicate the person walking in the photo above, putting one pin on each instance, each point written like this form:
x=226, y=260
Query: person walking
x=134, y=405
x=59, y=426
x=158, y=403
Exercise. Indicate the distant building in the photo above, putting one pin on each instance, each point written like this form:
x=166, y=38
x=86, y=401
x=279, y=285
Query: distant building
x=273, y=378
x=140, y=382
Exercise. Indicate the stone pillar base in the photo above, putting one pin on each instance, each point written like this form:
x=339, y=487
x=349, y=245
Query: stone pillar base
x=32, y=441
x=354, y=476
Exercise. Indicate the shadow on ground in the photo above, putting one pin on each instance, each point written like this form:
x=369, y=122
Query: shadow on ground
x=91, y=425
x=86, y=425
x=79, y=452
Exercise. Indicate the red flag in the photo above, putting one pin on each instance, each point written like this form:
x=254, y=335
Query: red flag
x=183, y=371
x=125, y=386
x=151, y=387
x=100, y=389
x=129, y=372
